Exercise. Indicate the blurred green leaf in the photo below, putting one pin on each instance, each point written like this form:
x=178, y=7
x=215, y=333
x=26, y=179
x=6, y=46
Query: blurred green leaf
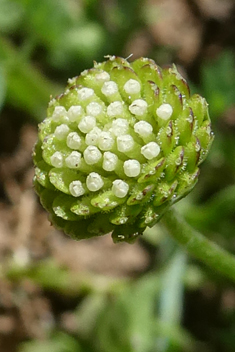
x=2, y=87
x=27, y=88
x=61, y=342
x=179, y=339
x=87, y=313
x=46, y=20
x=127, y=323
x=79, y=45
x=49, y=275
x=218, y=83
x=11, y=14
x=171, y=296
x=209, y=214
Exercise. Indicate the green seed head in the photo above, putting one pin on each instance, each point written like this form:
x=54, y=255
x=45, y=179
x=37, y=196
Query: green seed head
x=118, y=147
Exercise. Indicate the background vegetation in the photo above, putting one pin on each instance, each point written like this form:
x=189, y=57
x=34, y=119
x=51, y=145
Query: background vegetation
x=57, y=295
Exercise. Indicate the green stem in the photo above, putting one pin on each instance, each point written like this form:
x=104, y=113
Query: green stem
x=198, y=245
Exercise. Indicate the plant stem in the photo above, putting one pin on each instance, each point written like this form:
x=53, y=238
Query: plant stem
x=198, y=245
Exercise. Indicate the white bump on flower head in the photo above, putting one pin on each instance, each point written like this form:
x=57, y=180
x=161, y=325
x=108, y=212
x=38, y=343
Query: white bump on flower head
x=92, y=137
x=120, y=188
x=85, y=93
x=92, y=155
x=58, y=113
x=131, y=168
x=143, y=128
x=57, y=159
x=74, y=140
x=115, y=109
x=150, y=150
x=94, y=182
x=169, y=131
x=119, y=127
x=138, y=107
x=76, y=188
x=87, y=123
x=109, y=88
x=164, y=111
x=52, y=102
x=94, y=108
x=73, y=161
x=84, y=73
x=125, y=143
x=110, y=161
x=102, y=76
x=178, y=161
x=97, y=64
x=197, y=146
x=110, y=57
x=72, y=81
x=132, y=86
x=74, y=112
x=61, y=131
x=105, y=141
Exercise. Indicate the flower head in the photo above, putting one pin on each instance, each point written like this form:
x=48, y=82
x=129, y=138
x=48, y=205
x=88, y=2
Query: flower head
x=118, y=147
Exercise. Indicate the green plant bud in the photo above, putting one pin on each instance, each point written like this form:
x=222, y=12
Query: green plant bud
x=119, y=147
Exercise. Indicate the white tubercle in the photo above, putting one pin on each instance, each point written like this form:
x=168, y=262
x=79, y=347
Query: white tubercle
x=164, y=111
x=132, y=87
x=120, y=188
x=110, y=57
x=138, y=107
x=120, y=127
x=84, y=73
x=85, y=93
x=57, y=160
x=73, y=161
x=102, y=76
x=74, y=141
x=61, y=131
x=125, y=143
x=105, y=141
x=74, y=112
x=150, y=150
x=94, y=182
x=197, y=146
x=143, y=128
x=92, y=137
x=92, y=155
x=72, y=81
x=115, y=109
x=169, y=131
x=87, y=123
x=76, y=188
x=190, y=118
x=52, y=102
x=110, y=161
x=131, y=168
x=94, y=108
x=109, y=88
x=58, y=113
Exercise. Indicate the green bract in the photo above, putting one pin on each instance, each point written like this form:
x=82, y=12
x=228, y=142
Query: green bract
x=119, y=146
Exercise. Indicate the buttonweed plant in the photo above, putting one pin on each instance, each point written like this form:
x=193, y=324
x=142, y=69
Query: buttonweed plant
x=118, y=148
x=178, y=304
